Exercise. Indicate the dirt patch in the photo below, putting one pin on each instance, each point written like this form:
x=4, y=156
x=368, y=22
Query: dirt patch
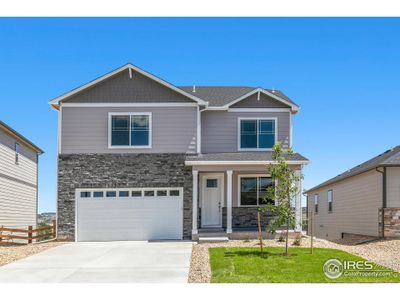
x=9, y=254
x=382, y=252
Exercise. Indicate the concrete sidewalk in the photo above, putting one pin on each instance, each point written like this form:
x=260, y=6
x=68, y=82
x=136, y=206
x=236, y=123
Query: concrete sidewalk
x=104, y=262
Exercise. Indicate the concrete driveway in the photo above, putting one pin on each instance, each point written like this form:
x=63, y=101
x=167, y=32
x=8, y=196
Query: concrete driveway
x=102, y=262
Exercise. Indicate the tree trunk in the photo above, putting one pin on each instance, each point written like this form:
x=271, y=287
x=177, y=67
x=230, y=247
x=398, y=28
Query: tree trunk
x=287, y=238
x=260, y=233
x=287, y=223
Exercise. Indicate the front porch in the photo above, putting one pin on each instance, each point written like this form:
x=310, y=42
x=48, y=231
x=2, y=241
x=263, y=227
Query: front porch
x=227, y=195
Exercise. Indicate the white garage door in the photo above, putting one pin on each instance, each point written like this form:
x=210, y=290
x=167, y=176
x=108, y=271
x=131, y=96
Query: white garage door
x=129, y=214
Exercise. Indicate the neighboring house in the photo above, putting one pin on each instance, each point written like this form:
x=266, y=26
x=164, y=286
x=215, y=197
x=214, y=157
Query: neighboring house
x=140, y=158
x=18, y=179
x=352, y=202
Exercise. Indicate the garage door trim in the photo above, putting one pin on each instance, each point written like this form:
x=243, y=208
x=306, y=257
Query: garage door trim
x=117, y=190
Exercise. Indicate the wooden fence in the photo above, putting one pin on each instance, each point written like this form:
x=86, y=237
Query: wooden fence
x=30, y=234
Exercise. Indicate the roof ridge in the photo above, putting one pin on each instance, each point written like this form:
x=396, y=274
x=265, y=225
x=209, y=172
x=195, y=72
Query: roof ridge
x=374, y=162
x=21, y=137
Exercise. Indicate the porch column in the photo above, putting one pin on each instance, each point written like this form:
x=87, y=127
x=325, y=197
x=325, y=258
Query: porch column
x=298, y=209
x=195, y=200
x=229, y=201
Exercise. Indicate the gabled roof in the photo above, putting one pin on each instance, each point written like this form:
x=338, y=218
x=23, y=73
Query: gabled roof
x=256, y=157
x=218, y=95
x=388, y=158
x=221, y=97
x=20, y=137
x=55, y=102
x=225, y=96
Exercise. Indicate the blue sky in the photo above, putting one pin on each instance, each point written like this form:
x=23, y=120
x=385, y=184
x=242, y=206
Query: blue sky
x=344, y=73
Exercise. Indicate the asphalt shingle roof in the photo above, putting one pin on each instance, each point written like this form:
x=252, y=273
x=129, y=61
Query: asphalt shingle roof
x=221, y=95
x=20, y=136
x=390, y=157
x=240, y=156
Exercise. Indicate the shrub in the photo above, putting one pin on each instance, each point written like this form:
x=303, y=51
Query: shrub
x=297, y=240
x=247, y=238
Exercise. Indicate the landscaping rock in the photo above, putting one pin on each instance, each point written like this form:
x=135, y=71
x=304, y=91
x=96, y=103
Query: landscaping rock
x=382, y=252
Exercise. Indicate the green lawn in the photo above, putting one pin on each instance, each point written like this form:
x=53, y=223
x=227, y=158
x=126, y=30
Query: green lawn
x=245, y=265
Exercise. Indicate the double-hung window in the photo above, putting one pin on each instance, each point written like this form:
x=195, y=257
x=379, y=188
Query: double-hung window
x=330, y=201
x=316, y=200
x=257, y=133
x=17, y=150
x=130, y=130
x=253, y=190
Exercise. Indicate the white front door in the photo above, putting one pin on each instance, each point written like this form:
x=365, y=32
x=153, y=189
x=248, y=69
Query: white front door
x=212, y=200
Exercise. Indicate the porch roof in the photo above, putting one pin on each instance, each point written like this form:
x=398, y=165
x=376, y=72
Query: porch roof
x=240, y=158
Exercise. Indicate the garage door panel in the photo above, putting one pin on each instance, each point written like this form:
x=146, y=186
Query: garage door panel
x=133, y=218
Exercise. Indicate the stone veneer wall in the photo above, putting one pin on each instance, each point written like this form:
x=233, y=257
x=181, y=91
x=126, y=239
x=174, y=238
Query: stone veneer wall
x=391, y=226
x=245, y=217
x=119, y=171
x=242, y=217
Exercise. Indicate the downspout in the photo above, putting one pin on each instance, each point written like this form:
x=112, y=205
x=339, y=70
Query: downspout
x=384, y=201
x=37, y=189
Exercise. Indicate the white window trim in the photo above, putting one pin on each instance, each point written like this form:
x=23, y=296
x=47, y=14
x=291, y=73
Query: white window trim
x=17, y=150
x=239, y=186
x=256, y=119
x=330, y=192
x=130, y=114
x=316, y=203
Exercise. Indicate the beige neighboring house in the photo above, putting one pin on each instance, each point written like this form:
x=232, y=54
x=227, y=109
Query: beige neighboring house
x=18, y=179
x=364, y=200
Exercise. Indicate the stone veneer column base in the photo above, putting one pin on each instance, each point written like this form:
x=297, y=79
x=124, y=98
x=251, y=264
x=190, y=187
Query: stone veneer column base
x=119, y=171
x=391, y=225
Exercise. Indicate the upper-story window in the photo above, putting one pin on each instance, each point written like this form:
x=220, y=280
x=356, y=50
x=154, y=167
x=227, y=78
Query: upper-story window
x=130, y=130
x=330, y=201
x=17, y=150
x=316, y=200
x=257, y=133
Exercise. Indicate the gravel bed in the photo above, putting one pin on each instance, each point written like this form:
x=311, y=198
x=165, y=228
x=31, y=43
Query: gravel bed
x=382, y=252
x=9, y=254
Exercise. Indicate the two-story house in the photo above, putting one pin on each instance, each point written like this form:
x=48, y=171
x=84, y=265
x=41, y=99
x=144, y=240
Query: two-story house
x=140, y=158
x=19, y=160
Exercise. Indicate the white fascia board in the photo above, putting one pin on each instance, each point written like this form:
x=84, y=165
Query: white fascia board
x=241, y=162
x=137, y=104
x=56, y=101
x=216, y=108
x=258, y=109
x=294, y=107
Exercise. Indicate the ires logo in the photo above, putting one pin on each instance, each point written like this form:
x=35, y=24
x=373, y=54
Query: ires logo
x=334, y=268
x=357, y=265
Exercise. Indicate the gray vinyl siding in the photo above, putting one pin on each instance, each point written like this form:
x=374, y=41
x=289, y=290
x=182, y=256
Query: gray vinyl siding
x=121, y=88
x=356, y=201
x=8, y=141
x=264, y=102
x=18, y=184
x=85, y=129
x=17, y=204
x=220, y=129
x=393, y=186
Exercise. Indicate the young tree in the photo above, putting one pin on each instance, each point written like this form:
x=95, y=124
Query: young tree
x=282, y=193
